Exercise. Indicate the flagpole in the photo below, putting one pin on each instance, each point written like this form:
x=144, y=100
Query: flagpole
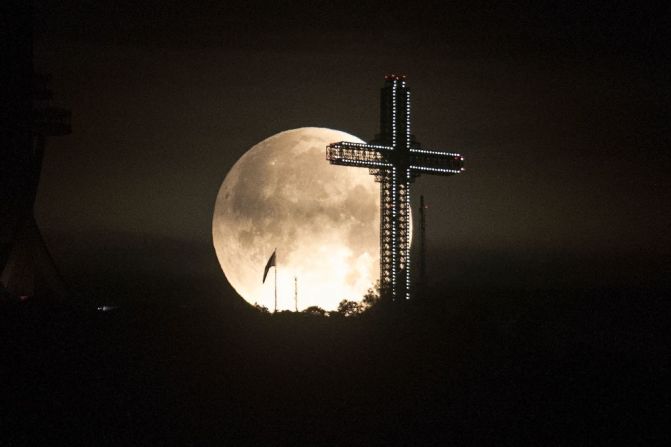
x=275, y=284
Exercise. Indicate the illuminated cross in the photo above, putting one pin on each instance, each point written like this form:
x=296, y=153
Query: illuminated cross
x=395, y=159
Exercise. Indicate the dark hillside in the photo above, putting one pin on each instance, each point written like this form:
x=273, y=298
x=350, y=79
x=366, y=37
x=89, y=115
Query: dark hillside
x=543, y=367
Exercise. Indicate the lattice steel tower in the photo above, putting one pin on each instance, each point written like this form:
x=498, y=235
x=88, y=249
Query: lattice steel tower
x=395, y=158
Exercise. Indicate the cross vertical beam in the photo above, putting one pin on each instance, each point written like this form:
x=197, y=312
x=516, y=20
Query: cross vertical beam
x=395, y=158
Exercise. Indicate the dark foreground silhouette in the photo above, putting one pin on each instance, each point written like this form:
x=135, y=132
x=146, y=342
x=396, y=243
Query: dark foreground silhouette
x=488, y=368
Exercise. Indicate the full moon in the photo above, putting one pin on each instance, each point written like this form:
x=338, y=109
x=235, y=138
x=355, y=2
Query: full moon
x=323, y=220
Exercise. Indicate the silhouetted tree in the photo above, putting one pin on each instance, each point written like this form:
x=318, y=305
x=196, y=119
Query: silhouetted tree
x=349, y=308
x=315, y=310
x=260, y=308
x=372, y=296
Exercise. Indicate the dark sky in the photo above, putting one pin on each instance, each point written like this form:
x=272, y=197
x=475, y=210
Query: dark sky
x=562, y=113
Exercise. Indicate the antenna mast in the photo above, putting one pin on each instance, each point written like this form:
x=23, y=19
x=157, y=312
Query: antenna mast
x=422, y=244
x=296, y=293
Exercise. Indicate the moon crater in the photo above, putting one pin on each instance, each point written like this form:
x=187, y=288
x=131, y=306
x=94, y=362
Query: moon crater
x=322, y=219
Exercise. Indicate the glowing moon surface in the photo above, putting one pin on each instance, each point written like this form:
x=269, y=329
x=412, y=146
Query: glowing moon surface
x=322, y=219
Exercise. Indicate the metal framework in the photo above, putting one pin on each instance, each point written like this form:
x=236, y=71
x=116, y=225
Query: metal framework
x=395, y=158
x=26, y=266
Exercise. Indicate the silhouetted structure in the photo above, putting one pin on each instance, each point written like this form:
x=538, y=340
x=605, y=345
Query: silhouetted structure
x=27, y=267
x=421, y=280
x=395, y=158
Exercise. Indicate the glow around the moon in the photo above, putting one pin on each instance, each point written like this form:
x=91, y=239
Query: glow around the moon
x=322, y=219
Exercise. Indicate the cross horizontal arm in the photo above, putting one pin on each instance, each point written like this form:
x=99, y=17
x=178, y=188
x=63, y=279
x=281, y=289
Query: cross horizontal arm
x=357, y=154
x=435, y=162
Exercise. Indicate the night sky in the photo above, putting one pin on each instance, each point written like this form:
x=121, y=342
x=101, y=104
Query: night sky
x=562, y=114
x=549, y=258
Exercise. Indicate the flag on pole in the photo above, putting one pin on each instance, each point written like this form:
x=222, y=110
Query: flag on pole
x=270, y=263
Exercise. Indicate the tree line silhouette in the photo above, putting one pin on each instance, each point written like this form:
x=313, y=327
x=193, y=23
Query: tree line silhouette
x=346, y=308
